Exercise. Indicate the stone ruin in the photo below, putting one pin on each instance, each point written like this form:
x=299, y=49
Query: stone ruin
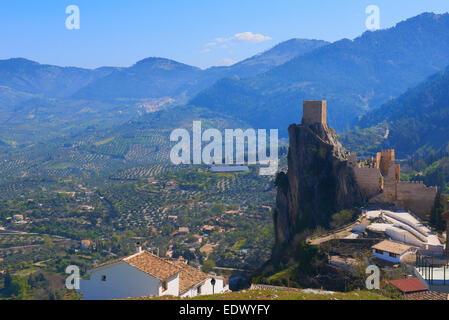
x=379, y=177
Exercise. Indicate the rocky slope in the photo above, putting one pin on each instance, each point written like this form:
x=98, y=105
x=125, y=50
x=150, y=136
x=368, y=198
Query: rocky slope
x=318, y=183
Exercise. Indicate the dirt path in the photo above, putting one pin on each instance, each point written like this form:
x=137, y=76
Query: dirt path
x=340, y=234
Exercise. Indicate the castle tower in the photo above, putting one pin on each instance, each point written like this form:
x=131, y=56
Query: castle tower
x=314, y=111
x=384, y=159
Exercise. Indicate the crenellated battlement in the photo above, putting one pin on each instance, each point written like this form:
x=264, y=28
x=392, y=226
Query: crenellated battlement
x=379, y=179
x=419, y=183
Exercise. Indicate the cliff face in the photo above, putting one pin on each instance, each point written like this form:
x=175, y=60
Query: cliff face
x=318, y=183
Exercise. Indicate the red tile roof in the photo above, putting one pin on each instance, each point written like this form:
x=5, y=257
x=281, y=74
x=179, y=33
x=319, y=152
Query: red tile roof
x=431, y=295
x=148, y=263
x=409, y=285
x=153, y=265
x=392, y=246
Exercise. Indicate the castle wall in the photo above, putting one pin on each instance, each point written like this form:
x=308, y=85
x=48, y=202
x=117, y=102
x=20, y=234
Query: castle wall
x=416, y=197
x=390, y=184
x=384, y=160
x=369, y=180
x=377, y=178
x=413, y=196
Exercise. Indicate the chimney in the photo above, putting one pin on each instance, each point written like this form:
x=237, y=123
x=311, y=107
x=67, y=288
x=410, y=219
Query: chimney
x=138, y=247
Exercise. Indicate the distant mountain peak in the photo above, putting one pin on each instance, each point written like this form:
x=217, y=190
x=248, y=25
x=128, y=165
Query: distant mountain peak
x=161, y=63
x=355, y=76
x=19, y=61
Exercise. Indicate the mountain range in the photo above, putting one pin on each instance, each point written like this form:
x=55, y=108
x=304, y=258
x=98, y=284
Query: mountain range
x=148, y=78
x=158, y=77
x=264, y=91
x=42, y=101
x=21, y=78
x=355, y=76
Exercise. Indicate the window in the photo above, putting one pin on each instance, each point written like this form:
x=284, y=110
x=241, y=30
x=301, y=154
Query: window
x=393, y=255
x=379, y=251
x=164, y=286
x=198, y=290
x=103, y=278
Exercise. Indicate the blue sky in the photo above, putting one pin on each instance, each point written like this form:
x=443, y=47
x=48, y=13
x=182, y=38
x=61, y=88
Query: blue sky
x=197, y=32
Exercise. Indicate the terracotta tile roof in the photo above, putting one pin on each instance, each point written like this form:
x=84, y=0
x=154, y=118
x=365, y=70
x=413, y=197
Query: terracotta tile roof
x=85, y=242
x=188, y=276
x=153, y=265
x=408, y=285
x=208, y=228
x=183, y=230
x=391, y=246
x=430, y=295
x=148, y=263
x=108, y=263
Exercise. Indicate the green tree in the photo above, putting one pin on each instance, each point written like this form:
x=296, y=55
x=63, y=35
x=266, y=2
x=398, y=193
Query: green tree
x=218, y=208
x=55, y=295
x=208, y=265
x=48, y=243
x=7, y=282
x=341, y=218
x=20, y=288
x=438, y=208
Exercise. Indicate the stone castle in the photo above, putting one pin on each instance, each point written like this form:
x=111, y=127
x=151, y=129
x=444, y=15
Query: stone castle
x=379, y=178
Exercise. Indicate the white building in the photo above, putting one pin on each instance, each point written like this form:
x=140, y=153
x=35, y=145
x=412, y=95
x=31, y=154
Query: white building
x=404, y=227
x=144, y=274
x=194, y=282
x=392, y=251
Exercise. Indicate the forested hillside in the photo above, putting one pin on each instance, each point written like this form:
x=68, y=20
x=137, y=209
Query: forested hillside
x=355, y=76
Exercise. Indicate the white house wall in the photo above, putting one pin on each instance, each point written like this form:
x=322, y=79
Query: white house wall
x=206, y=288
x=172, y=287
x=122, y=281
x=192, y=292
x=386, y=256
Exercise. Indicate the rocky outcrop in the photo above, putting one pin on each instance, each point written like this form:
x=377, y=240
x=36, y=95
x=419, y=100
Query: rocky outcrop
x=319, y=182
